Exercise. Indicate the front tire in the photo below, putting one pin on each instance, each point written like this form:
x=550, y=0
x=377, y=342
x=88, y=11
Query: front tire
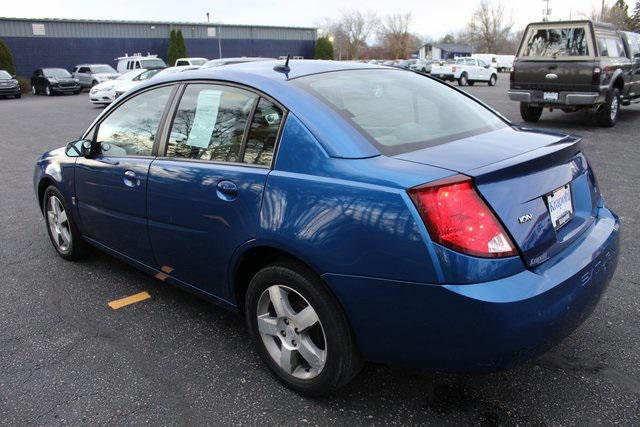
x=493, y=80
x=47, y=90
x=18, y=95
x=462, y=81
x=530, y=113
x=62, y=230
x=610, y=112
x=300, y=330
x=34, y=90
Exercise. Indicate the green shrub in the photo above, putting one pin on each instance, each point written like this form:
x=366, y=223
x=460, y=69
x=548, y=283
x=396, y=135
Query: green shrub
x=180, y=46
x=25, y=84
x=6, y=59
x=324, y=48
x=172, y=53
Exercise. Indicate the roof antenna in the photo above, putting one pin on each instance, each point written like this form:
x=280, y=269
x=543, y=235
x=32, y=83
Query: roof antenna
x=283, y=68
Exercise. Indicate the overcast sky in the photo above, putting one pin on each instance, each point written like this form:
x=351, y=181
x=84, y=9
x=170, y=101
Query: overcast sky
x=430, y=18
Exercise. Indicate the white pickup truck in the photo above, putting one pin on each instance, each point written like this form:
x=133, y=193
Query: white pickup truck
x=466, y=71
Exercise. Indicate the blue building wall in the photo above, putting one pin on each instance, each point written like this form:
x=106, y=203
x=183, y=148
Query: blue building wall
x=30, y=53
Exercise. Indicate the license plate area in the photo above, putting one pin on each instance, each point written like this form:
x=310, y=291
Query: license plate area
x=560, y=205
x=550, y=96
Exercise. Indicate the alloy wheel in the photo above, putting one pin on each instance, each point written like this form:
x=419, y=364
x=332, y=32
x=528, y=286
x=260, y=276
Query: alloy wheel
x=34, y=91
x=47, y=91
x=291, y=332
x=58, y=224
x=615, y=106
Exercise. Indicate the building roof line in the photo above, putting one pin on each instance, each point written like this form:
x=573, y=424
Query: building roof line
x=134, y=22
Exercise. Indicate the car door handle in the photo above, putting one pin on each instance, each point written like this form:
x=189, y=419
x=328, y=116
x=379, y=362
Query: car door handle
x=130, y=179
x=227, y=190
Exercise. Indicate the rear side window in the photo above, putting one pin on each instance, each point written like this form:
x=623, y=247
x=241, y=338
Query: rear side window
x=179, y=63
x=610, y=47
x=210, y=123
x=556, y=42
x=263, y=133
x=131, y=129
x=400, y=111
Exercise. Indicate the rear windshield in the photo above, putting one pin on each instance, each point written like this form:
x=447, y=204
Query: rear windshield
x=152, y=63
x=556, y=42
x=400, y=111
x=103, y=69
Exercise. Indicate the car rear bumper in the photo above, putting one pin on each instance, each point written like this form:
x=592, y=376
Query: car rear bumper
x=485, y=326
x=536, y=97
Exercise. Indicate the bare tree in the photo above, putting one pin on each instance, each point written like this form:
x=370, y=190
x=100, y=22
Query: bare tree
x=357, y=27
x=395, y=37
x=489, y=27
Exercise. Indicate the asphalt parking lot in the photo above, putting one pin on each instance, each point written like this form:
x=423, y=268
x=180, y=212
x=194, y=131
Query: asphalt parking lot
x=67, y=358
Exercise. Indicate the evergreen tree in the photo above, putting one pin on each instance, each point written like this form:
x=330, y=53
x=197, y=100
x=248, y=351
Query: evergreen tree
x=172, y=53
x=324, y=48
x=6, y=59
x=181, y=48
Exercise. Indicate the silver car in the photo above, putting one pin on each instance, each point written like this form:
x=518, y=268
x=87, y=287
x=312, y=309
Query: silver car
x=92, y=74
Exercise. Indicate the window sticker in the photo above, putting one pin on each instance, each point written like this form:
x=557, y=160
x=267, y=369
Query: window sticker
x=205, y=119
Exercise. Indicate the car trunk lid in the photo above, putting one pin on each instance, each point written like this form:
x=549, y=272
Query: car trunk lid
x=516, y=171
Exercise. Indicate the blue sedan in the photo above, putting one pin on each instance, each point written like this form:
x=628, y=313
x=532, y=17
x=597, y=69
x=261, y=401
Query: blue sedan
x=350, y=212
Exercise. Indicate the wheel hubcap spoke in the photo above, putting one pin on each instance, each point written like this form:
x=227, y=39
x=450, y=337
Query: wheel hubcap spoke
x=291, y=332
x=58, y=223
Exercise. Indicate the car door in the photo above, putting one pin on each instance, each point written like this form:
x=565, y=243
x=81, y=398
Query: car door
x=481, y=71
x=111, y=183
x=205, y=193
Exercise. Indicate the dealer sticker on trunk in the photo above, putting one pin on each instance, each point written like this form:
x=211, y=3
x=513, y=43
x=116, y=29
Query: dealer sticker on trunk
x=560, y=206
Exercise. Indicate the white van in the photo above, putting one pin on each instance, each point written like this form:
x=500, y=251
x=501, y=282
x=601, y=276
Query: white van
x=137, y=61
x=505, y=62
x=488, y=58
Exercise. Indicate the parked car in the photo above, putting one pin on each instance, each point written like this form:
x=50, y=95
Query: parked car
x=137, y=61
x=505, y=63
x=576, y=65
x=130, y=84
x=389, y=63
x=229, y=61
x=105, y=93
x=92, y=74
x=9, y=86
x=466, y=71
x=51, y=81
x=190, y=61
x=422, y=65
x=398, y=221
x=406, y=63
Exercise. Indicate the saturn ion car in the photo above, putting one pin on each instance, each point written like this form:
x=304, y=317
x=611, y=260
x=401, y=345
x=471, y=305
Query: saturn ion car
x=351, y=212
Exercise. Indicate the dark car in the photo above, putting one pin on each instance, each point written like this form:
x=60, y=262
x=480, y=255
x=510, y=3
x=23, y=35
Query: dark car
x=350, y=211
x=9, y=86
x=576, y=65
x=50, y=81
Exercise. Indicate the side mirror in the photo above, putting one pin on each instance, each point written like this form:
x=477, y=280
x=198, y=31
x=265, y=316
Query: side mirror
x=79, y=148
x=486, y=66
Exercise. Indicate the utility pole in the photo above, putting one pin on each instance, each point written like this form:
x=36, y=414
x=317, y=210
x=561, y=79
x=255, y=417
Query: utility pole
x=219, y=35
x=602, y=12
x=546, y=11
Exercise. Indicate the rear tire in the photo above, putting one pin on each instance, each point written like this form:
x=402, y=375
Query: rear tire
x=610, y=112
x=463, y=80
x=275, y=330
x=61, y=227
x=530, y=113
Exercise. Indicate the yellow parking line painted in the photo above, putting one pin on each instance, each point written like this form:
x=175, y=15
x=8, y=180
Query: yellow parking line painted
x=122, y=302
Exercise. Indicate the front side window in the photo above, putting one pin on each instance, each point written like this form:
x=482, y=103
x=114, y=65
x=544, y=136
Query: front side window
x=399, y=111
x=210, y=123
x=84, y=70
x=556, y=42
x=179, y=63
x=131, y=129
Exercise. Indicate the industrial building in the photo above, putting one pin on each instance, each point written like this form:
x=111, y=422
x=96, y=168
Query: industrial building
x=64, y=43
x=440, y=51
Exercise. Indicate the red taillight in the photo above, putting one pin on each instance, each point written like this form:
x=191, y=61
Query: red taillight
x=596, y=76
x=458, y=218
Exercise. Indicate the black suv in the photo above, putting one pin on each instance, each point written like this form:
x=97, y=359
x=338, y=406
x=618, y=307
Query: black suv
x=576, y=65
x=53, y=80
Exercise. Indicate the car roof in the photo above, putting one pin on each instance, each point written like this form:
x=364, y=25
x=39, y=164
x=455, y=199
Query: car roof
x=278, y=85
